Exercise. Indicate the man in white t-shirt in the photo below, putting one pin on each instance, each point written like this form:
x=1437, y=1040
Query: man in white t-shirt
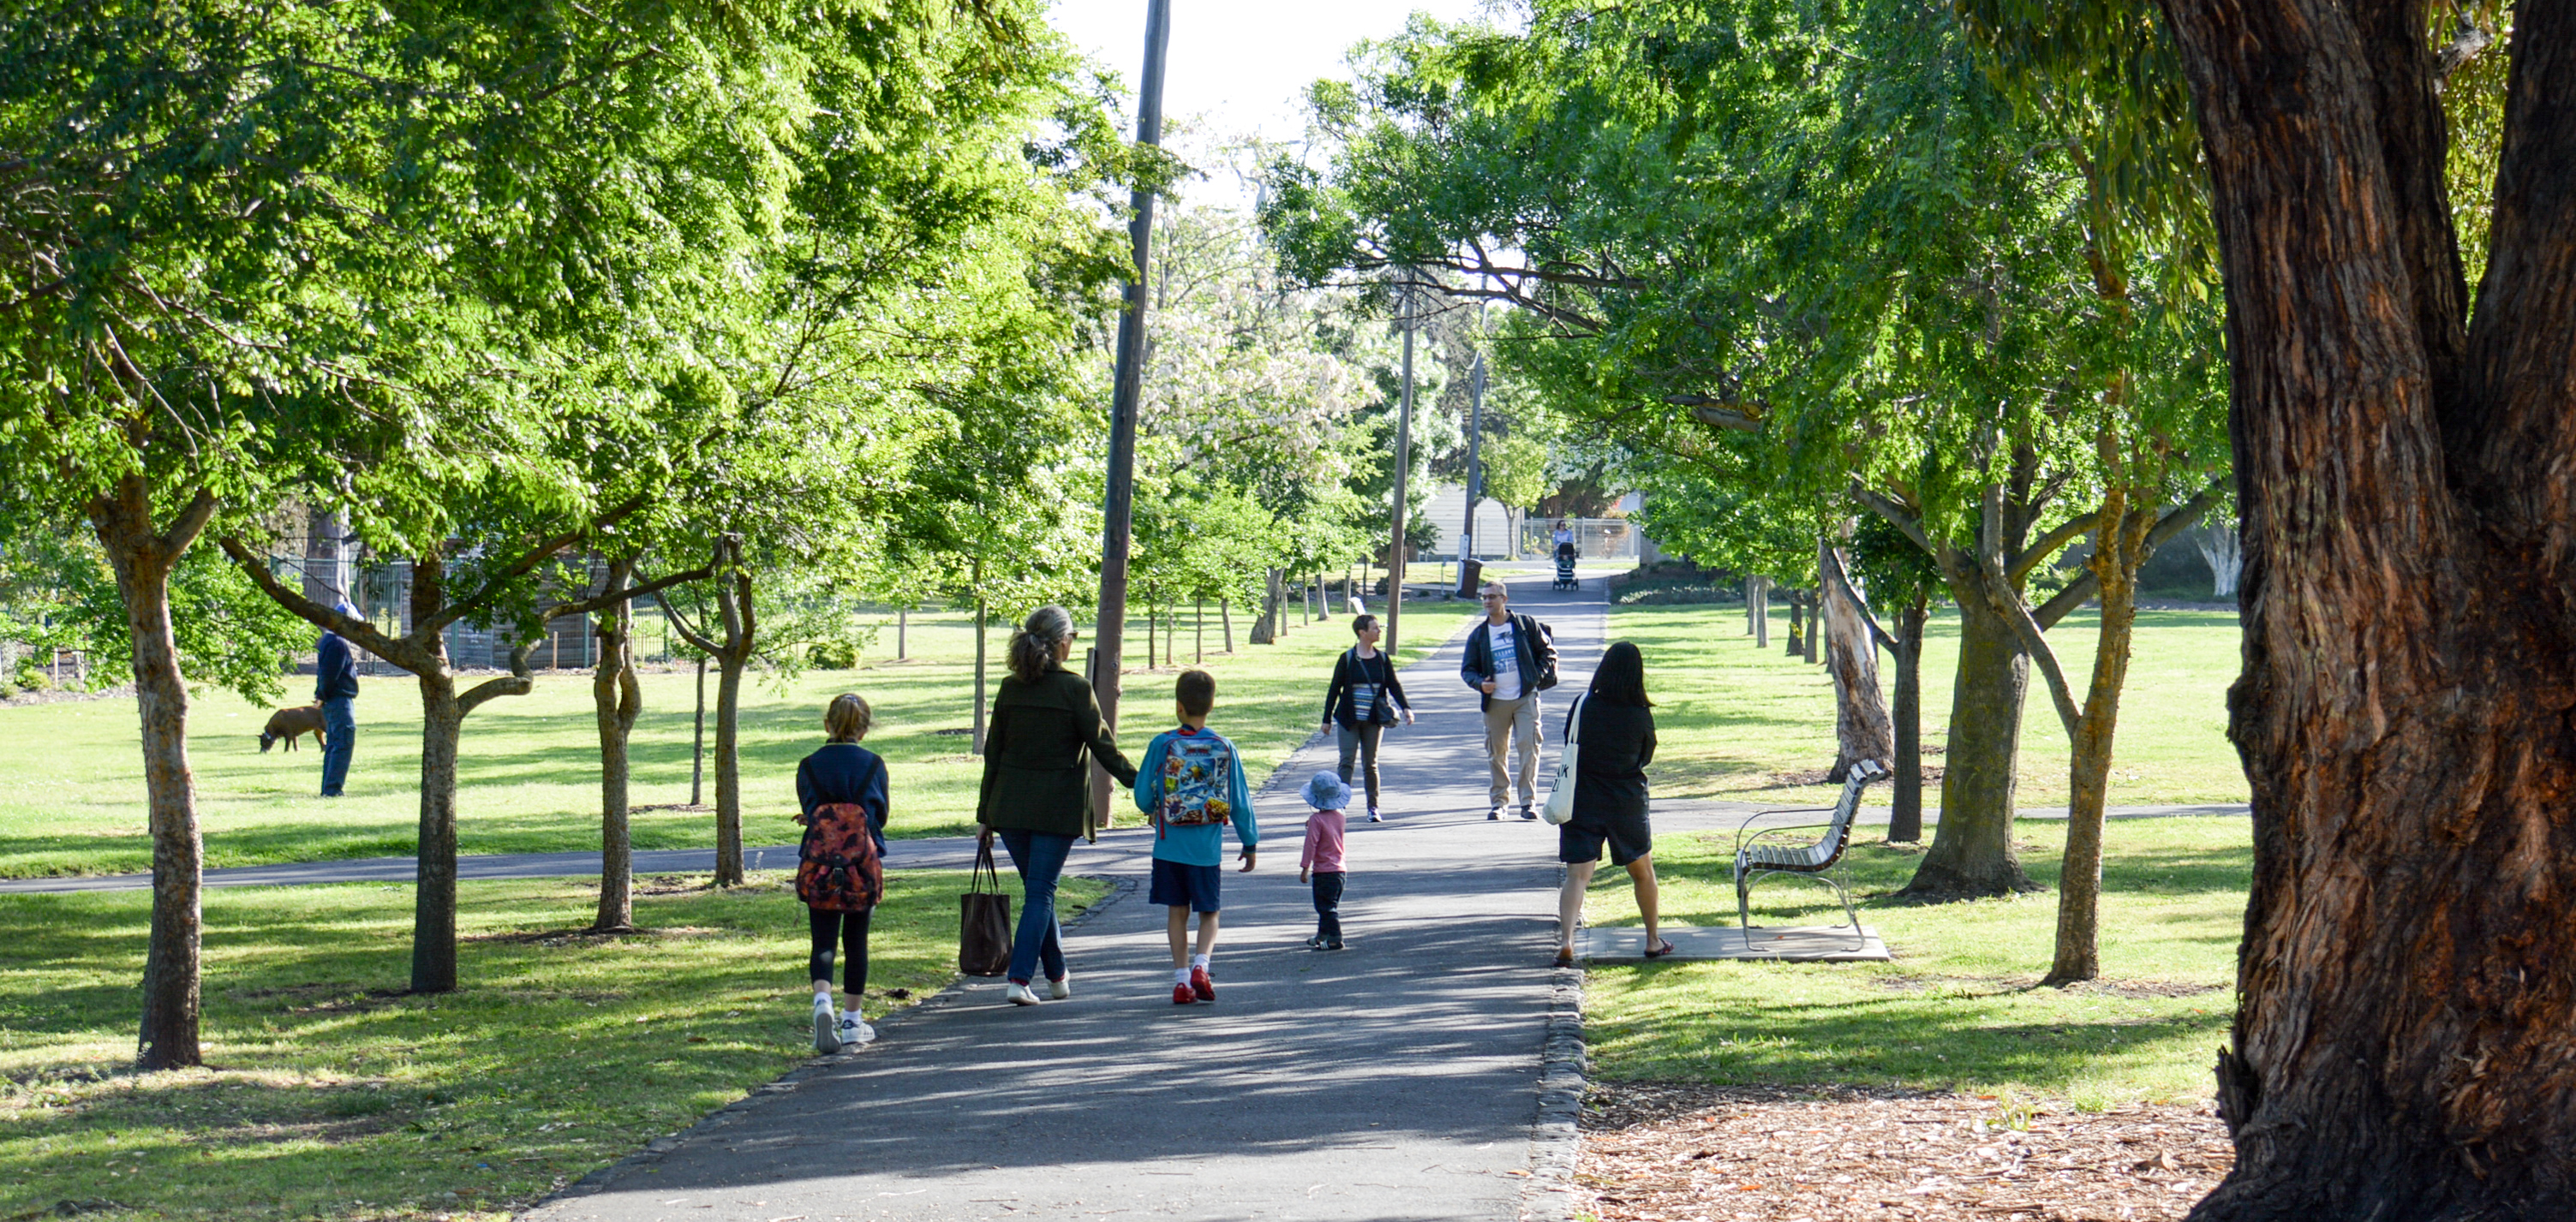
x=1507, y=657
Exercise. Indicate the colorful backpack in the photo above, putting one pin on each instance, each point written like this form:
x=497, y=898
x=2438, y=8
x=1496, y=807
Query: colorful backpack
x=838, y=868
x=1195, y=772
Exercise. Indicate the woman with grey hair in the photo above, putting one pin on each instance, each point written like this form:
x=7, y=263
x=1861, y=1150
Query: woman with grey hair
x=1045, y=731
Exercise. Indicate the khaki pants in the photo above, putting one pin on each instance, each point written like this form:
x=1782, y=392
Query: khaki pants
x=1505, y=720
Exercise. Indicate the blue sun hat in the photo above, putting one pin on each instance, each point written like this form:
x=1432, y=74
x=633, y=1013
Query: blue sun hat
x=1327, y=792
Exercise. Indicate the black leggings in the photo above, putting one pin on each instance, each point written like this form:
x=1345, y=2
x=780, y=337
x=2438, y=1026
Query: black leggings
x=851, y=930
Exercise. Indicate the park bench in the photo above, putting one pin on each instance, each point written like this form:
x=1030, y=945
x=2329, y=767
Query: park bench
x=1822, y=858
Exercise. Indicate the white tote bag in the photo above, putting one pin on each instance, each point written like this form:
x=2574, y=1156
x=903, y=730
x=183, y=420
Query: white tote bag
x=1560, y=798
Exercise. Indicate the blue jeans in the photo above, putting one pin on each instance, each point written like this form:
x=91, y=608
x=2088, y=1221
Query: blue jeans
x=340, y=728
x=1039, y=858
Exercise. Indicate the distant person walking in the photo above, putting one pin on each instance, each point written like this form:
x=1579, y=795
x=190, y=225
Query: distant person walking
x=1045, y=731
x=1563, y=538
x=1362, y=702
x=1509, y=659
x=841, y=792
x=335, y=684
x=1617, y=733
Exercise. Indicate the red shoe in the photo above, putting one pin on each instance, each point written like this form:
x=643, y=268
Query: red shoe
x=1183, y=995
x=1200, y=985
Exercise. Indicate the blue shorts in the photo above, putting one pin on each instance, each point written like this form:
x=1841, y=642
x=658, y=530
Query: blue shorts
x=1177, y=885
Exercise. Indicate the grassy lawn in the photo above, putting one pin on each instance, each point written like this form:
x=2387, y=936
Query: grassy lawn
x=1957, y=1008
x=1735, y=722
x=331, y=1093
x=72, y=803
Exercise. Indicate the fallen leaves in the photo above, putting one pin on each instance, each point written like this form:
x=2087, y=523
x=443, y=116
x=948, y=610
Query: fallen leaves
x=1693, y=1153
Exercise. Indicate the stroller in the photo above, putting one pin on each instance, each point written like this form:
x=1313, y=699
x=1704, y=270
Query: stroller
x=1565, y=569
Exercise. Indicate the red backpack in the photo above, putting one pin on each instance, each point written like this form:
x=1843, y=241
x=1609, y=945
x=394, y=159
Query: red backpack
x=838, y=868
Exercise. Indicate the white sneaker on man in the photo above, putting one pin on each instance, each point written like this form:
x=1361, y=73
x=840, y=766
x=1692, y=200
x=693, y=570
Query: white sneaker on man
x=1018, y=994
x=1060, y=988
x=827, y=1026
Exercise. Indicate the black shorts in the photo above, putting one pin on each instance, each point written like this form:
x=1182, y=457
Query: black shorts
x=1185, y=886
x=1581, y=838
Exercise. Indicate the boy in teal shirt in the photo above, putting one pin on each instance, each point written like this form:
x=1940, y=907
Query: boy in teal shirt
x=1191, y=784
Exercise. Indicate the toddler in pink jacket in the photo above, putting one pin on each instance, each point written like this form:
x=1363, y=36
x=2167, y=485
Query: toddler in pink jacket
x=1320, y=862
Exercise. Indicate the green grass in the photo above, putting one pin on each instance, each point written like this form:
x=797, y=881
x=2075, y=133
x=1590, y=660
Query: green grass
x=1739, y=723
x=71, y=799
x=1958, y=1008
x=330, y=1093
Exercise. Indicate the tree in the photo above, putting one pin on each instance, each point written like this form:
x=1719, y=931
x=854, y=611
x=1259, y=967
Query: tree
x=2401, y=1044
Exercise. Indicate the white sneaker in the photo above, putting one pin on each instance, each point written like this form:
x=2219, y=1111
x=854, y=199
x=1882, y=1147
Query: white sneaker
x=827, y=1026
x=855, y=1032
x=1060, y=988
x=1019, y=995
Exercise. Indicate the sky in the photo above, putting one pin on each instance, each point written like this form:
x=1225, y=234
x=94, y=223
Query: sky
x=1244, y=64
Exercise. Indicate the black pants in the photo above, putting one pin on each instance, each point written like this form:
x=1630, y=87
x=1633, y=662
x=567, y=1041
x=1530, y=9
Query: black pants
x=850, y=929
x=1328, y=906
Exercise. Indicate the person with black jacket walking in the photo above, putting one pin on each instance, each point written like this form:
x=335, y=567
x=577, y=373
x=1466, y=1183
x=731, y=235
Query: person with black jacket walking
x=1510, y=659
x=1362, y=703
x=1617, y=737
x=335, y=684
x=1045, y=733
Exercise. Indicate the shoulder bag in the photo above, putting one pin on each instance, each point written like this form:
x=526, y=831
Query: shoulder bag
x=1560, y=798
x=984, y=917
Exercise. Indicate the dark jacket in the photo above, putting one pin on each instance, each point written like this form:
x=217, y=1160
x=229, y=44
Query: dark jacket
x=1530, y=642
x=845, y=772
x=335, y=674
x=1617, y=742
x=1038, y=750
x=1349, y=672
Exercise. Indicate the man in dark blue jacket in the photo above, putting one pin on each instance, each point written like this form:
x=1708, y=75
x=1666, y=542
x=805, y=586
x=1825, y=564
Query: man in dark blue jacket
x=335, y=684
x=1510, y=659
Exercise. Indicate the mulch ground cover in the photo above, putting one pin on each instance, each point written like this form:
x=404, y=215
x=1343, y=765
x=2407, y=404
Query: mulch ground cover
x=1693, y=1153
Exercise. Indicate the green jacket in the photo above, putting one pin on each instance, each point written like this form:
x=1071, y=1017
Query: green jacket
x=1037, y=756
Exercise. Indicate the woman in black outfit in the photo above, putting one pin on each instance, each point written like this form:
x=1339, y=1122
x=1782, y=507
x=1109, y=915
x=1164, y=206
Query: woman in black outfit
x=1616, y=742
x=1362, y=702
x=842, y=771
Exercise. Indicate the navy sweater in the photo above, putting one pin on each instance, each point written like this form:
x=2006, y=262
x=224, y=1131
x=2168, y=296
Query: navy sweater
x=845, y=772
x=335, y=673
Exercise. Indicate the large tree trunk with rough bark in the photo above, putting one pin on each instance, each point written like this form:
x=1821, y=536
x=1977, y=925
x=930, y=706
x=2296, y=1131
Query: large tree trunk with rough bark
x=1862, y=728
x=616, y=700
x=142, y=559
x=2404, y=1046
x=1905, y=815
x=1972, y=850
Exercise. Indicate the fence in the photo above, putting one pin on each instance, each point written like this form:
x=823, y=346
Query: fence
x=1594, y=538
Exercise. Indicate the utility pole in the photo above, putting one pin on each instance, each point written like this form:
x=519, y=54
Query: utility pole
x=1475, y=473
x=1119, y=511
x=1408, y=318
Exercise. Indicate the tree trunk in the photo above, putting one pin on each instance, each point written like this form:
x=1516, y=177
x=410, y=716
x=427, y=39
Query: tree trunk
x=616, y=700
x=433, y=922
x=1225, y=616
x=1265, y=626
x=141, y=559
x=902, y=632
x=1815, y=626
x=1758, y=606
x=1862, y=729
x=2116, y=557
x=1905, y=818
x=1198, y=631
x=2218, y=545
x=729, y=871
x=2404, y=1046
x=982, y=634
x=1797, y=643
x=1972, y=847
x=698, y=743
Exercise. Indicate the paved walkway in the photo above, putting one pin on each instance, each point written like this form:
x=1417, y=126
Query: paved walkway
x=1394, y=1080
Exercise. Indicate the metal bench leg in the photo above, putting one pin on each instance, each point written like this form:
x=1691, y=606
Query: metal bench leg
x=1842, y=887
x=1743, y=910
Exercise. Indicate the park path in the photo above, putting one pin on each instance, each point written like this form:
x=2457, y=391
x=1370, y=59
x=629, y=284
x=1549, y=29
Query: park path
x=1393, y=1080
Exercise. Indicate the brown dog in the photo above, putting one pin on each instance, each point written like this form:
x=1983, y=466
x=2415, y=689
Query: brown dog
x=290, y=723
